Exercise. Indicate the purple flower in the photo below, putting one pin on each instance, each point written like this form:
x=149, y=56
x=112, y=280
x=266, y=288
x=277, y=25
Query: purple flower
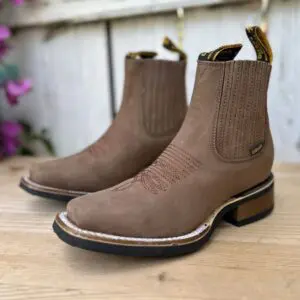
x=4, y=33
x=15, y=89
x=17, y=2
x=14, y=2
x=9, y=137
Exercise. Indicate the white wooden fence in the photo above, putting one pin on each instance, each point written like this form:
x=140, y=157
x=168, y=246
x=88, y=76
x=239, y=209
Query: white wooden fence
x=63, y=47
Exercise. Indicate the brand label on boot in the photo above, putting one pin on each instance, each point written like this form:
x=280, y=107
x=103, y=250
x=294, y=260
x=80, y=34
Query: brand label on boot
x=257, y=148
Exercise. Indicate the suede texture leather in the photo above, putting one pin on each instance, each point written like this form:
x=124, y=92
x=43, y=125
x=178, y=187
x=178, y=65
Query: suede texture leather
x=209, y=161
x=152, y=111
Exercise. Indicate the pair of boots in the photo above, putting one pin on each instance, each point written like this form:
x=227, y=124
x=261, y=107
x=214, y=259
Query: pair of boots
x=160, y=180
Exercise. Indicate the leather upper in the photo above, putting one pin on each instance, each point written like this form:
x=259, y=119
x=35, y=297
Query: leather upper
x=223, y=148
x=152, y=111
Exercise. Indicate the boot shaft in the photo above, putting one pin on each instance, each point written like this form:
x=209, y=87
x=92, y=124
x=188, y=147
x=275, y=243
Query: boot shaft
x=227, y=119
x=154, y=97
x=242, y=120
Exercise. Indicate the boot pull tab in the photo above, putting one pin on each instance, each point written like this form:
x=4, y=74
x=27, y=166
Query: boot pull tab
x=224, y=53
x=169, y=45
x=260, y=43
x=142, y=55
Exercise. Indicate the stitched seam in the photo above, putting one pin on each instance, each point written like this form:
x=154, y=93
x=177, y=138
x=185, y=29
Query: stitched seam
x=170, y=168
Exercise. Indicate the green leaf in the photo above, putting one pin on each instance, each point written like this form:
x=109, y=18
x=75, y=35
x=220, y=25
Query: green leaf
x=8, y=72
x=27, y=128
x=48, y=146
x=12, y=72
x=28, y=136
x=2, y=74
x=25, y=151
x=47, y=143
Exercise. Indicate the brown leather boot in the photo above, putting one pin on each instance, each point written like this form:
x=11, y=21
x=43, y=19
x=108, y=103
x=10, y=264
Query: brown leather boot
x=153, y=108
x=218, y=166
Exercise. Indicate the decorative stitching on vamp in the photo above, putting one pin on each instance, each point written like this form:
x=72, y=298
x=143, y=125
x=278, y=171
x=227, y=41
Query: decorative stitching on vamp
x=172, y=166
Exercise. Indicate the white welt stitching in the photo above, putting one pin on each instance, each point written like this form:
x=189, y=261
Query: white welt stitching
x=63, y=217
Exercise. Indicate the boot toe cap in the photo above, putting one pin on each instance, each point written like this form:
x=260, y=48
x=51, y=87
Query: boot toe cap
x=53, y=174
x=57, y=173
x=39, y=173
x=95, y=212
x=74, y=213
x=82, y=215
x=117, y=214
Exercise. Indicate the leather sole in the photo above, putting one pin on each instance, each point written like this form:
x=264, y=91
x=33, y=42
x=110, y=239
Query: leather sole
x=245, y=208
x=44, y=191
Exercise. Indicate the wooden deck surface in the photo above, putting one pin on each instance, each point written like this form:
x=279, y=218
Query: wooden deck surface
x=259, y=261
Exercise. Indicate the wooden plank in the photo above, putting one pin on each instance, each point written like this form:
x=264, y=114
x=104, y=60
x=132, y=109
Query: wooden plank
x=49, y=11
x=260, y=261
x=70, y=97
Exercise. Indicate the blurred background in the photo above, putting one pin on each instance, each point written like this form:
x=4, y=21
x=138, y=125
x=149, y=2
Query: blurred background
x=73, y=51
